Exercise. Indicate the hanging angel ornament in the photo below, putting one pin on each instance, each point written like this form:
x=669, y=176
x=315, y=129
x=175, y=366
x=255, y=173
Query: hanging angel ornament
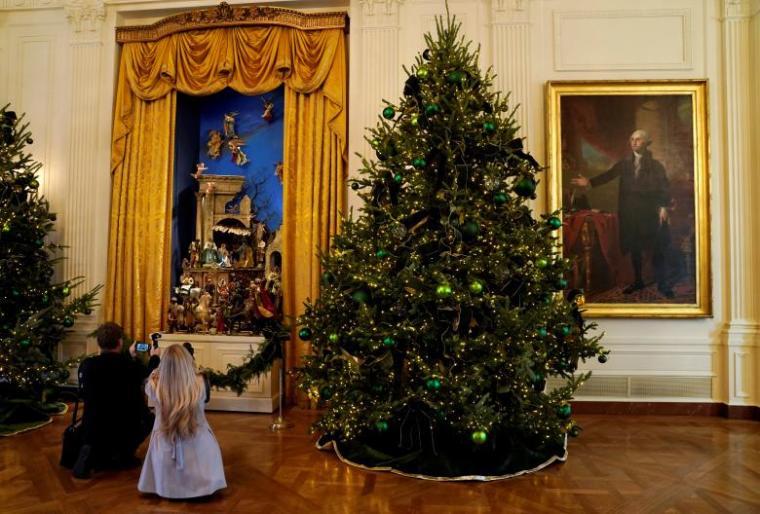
x=238, y=156
x=229, y=125
x=214, y=144
x=268, y=114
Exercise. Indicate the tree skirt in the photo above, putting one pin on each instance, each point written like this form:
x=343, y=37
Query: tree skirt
x=18, y=416
x=445, y=459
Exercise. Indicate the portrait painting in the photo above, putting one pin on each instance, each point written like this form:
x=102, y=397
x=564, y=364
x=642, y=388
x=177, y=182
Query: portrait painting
x=628, y=170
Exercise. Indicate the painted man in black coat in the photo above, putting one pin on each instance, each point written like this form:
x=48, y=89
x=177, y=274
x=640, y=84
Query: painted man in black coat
x=643, y=199
x=116, y=417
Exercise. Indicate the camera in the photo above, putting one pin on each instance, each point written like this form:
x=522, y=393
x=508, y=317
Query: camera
x=142, y=347
x=155, y=336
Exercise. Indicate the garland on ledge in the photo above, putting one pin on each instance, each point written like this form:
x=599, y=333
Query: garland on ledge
x=256, y=363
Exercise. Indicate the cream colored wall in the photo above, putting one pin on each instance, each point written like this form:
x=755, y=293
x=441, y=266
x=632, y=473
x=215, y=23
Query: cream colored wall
x=62, y=59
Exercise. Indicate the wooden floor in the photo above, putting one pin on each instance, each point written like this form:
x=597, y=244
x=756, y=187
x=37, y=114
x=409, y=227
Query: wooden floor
x=619, y=464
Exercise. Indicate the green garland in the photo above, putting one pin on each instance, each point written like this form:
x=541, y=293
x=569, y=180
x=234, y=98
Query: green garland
x=256, y=363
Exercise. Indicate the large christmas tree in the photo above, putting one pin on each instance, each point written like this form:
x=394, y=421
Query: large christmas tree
x=35, y=311
x=442, y=311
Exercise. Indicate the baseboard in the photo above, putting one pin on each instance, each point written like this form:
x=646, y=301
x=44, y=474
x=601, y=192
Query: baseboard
x=749, y=412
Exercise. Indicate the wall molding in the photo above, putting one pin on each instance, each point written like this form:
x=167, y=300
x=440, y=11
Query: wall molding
x=717, y=409
x=25, y=5
x=563, y=19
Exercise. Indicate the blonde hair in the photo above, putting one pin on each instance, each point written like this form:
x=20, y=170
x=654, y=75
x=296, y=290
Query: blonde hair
x=179, y=392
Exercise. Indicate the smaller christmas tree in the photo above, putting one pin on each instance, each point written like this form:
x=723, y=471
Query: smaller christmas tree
x=35, y=311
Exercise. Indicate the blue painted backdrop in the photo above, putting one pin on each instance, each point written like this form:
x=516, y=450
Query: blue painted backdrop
x=264, y=141
x=263, y=146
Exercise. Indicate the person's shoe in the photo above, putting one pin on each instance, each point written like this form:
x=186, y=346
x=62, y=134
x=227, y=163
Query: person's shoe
x=81, y=467
x=636, y=286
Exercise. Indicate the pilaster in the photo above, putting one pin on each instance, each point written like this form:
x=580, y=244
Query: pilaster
x=743, y=328
x=511, y=54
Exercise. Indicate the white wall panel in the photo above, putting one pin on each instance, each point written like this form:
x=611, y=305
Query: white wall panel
x=617, y=40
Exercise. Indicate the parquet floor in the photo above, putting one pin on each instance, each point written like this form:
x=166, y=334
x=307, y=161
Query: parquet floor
x=619, y=464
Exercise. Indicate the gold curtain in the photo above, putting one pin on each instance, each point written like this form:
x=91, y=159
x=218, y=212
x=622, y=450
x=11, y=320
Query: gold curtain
x=252, y=61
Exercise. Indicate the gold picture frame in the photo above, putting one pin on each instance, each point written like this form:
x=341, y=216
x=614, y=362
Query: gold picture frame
x=628, y=166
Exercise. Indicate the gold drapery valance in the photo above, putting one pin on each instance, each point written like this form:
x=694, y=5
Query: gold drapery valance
x=251, y=60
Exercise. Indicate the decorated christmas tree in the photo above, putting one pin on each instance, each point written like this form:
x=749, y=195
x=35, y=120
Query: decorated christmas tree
x=442, y=312
x=35, y=310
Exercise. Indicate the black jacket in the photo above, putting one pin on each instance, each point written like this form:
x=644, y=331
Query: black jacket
x=115, y=412
x=639, y=199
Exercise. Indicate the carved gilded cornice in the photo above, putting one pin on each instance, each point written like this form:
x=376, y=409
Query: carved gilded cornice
x=225, y=15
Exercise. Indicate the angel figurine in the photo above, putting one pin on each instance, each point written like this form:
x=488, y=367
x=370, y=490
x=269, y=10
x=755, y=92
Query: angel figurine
x=199, y=169
x=268, y=114
x=214, y=144
x=229, y=125
x=238, y=156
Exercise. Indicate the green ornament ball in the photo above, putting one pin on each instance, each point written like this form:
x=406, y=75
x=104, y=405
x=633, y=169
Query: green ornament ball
x=414, y=120
x=328, y=278
x=381, y=253
x=538, y=377
x=68, y=321
x=431, y=109
x=389, y=112
x=422, y=72
x=15, y=292
x=433, y=384
x=334, y=338
x=34, y=184
x=355, y=186
x=45, y=300
x=66, y=291
x=561, y=283
x=6, y=227
x=602, y=358
x=500, y=198
x=25, y=342
x=381, y=426
x=419, y=163
x=542, y=332
x=388, y=341
x=326, y=393
x=541, y=263
x=443, y=291
x=455, y=77
x=565, y=330
x=554, y=222
x=360, y=296
x=489, y=127
x=305, y=334
x=398, y=178
x=525, y=187
x=564, y=411
x=39, y=243
x=574, y=431
x=476, y=287
x=426, y=54
x=471, y=228
x=479, y=437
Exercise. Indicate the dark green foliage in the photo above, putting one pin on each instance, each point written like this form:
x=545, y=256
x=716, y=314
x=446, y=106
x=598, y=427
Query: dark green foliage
x=448, y=262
